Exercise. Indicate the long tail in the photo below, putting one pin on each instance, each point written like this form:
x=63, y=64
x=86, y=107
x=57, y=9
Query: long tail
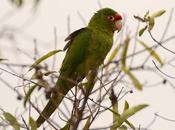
x=54, y=102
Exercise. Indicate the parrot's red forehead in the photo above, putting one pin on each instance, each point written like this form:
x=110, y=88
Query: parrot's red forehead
x=118, y=16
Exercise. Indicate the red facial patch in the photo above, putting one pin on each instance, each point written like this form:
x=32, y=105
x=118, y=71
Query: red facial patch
x=118, y=17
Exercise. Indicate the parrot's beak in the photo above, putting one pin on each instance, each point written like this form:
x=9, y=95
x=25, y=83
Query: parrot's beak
x=118, y=25
x=118, y=22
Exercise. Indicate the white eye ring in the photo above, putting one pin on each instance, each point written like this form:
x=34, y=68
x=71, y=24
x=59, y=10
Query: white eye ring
x=111, y=18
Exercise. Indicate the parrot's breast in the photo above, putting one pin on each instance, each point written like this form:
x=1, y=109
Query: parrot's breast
x=97, y=51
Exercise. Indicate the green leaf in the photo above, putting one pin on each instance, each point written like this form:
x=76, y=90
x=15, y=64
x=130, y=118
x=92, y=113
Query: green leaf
x=130, y=112
x=142, y=31
x=114, y=102
x=130, y=125
x=158, y=13
x=18, y=3
x=88, y=123
x=114, y=52
x=125, y=49
x=151, y=23
x=12, y=120
x=151, y=51
x=48, y=55
x=27, y=96
x=116, y=117
x=32, y=123
x=126, y=107
x=117, y=121
x=146, y=14
x=123, y=127
x=134, y=80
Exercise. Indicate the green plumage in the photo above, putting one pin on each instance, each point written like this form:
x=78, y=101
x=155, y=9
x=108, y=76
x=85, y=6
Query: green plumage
x=86, y=50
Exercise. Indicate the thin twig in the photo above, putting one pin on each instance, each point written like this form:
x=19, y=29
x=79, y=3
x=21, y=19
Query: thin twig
x=162, y=71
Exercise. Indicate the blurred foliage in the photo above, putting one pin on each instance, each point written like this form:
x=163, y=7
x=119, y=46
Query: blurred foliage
x=12, y=120
x=149, y=19
x=28, y=94
x=17, y=3
x=32, y=123
x=2, y=59
x=152, y=52
x=120, y=119
x=41, y=59
x=20, y=3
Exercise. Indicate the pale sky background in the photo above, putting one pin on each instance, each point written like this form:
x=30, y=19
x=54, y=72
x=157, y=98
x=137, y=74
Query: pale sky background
x=54, y=13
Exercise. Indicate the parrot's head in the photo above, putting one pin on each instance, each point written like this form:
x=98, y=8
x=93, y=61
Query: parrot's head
x=106, y=19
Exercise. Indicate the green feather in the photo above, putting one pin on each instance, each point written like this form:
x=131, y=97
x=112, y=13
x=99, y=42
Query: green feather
x=86, y=50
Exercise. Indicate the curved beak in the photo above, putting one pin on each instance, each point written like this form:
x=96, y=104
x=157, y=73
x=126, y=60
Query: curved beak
x=118, y=25
x=118, y=22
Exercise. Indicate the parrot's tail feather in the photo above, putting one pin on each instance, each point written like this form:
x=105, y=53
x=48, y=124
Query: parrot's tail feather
x=51, y=106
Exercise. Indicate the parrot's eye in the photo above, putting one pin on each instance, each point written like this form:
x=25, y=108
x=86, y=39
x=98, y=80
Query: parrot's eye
x=111, y=18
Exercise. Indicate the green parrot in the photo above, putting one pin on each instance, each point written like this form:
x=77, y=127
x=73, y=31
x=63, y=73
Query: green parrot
x=86, y=50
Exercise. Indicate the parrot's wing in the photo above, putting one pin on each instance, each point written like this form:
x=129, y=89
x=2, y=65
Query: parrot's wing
x=77, y=52
x=71, y=37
